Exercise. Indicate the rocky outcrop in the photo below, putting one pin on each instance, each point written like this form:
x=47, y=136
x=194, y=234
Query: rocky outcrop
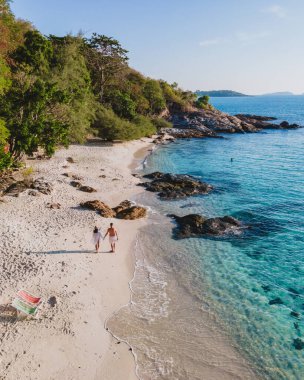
x=195, y=225
x=208, y=123
x=175, y=186
x=40, y=185
x=125, y=210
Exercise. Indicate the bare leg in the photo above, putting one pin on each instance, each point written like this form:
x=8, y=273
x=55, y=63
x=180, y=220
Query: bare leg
x=113, y=247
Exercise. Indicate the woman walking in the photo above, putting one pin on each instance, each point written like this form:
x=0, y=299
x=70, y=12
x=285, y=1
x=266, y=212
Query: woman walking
x=96, y=238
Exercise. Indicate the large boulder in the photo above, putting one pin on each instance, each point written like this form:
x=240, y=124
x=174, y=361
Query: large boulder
x=195, y=225
x=131, y=213
x=174, y=186
x=96, y=205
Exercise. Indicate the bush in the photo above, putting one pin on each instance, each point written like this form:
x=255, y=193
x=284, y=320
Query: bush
x=203, y=102
x=160, y=123
x=111, y=127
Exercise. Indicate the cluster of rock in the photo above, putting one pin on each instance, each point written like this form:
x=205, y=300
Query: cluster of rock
x=175, y=186
x=36, y=186
x=125, y=210
x=195, y=225
x=81, y=187
x=210, y=122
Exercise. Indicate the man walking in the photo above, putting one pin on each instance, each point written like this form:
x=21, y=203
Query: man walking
x=113, y=237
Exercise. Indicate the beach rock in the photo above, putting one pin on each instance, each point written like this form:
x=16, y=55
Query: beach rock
x=42, y=186
x=276, y=301
x=74, y=176
x=52, y=301
x=76, y=184
x=122, y=206
x=174, y=186
x=96, y=205
x=70, y=160
x=33, y=193
x=131, y=213
x=298, y=344
x=195, y=225
x=53, y=205
x=87, y=189
x=16, y=188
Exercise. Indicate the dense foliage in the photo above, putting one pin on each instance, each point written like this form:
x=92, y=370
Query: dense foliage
x=57, y=90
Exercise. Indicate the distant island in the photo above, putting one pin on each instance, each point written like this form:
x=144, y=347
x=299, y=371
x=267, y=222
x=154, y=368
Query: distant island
x=219, y=93
x=280, y=93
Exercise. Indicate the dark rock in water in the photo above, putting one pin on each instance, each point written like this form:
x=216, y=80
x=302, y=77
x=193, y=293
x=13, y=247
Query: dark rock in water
x=256, y=117
x=298, y=344
x=286, y=125
x=194, y=225
x=276, y=301
x=295, y=314
x=296, y=325
x=174, y=186
x=266, y=288
x=197, y=123
x=189, y=205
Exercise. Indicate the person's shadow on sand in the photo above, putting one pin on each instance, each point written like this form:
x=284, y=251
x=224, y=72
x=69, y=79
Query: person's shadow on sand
x=64, y=251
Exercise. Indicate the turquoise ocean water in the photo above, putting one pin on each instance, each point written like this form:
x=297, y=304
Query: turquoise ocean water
x=232, y=279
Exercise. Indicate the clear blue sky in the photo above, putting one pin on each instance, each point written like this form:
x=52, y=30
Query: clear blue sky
x=253, y=46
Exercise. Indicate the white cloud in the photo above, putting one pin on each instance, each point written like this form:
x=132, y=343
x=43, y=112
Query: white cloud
x=248, y=38
x=211, y=42
x=276, y=10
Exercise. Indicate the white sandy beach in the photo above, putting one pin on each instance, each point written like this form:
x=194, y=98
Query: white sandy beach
x=49, y=252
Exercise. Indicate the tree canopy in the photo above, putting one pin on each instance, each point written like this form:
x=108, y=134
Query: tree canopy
x=56, y=90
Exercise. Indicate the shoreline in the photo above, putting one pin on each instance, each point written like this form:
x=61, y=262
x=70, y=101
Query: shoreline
x=241, y=367
x=69, y=340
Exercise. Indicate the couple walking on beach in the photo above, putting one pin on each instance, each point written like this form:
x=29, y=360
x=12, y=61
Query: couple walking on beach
x=113, y=237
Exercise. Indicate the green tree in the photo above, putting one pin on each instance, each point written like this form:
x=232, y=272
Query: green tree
x=105, y=58
x=72, y=77
x=153, y=93
x=123, y=105
x=33, y=108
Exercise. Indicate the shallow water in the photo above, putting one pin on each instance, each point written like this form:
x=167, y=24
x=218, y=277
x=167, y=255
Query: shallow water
x=193, y=296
